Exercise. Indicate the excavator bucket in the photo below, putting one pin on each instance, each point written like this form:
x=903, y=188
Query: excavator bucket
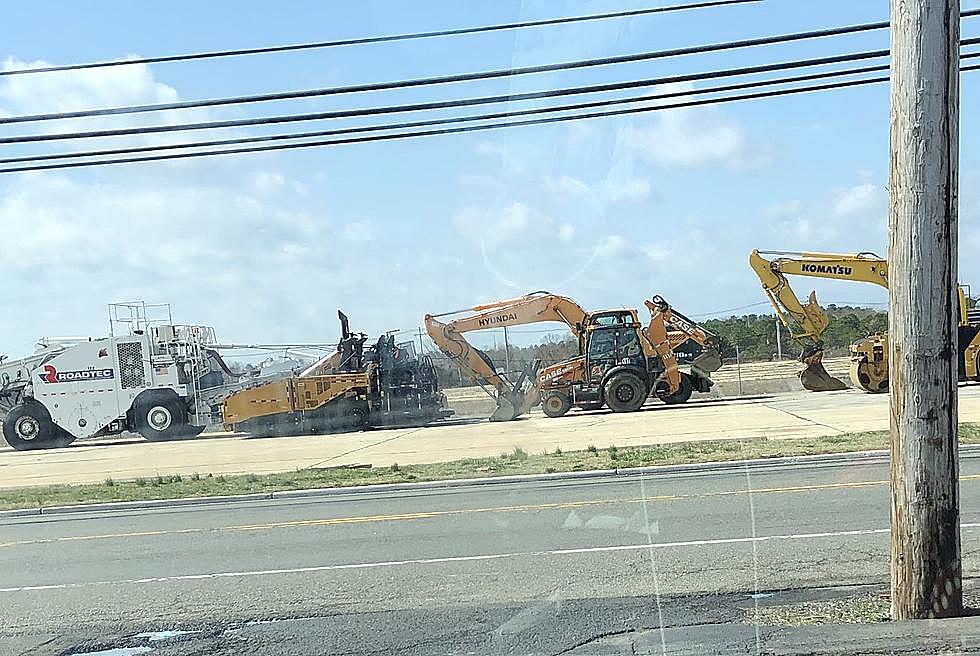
x=814, y=376
x=506, y=410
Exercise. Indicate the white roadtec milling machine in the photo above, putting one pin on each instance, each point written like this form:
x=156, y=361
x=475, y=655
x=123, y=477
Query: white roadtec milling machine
x=152, y=381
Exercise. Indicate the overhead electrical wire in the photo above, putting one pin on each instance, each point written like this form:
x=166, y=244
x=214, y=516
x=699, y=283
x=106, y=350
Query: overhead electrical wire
x=465, y=102
x=459, y=119
x=377, y=39
x=457, y=130
x=465, y=77
x=492, y=116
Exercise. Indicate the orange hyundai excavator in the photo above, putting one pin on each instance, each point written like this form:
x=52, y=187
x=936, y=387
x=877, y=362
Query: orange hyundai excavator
x=512, y=398
x=570, y=378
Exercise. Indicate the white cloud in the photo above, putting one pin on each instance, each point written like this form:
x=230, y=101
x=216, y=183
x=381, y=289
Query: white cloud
x=359, y=231
x=848, y=219
x=860, y=199
x=542, y=233
x=265, y=182
x=694, y=138
x=628, y=190
x=87, y=89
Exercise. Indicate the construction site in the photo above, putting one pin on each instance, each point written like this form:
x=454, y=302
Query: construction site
x=160, y=381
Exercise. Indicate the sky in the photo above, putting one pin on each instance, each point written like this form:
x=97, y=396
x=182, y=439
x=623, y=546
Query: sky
x=266, y=247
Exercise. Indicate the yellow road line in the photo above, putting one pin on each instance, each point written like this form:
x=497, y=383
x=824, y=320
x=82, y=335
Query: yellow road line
x=362, y=519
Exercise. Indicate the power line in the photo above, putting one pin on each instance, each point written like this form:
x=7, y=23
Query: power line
x=445, y=121
x=530, y=95
x=692, y=77
x=465, y=119
x=464, y=77
x=465, y=102
x=458, y=130
x=376, y=39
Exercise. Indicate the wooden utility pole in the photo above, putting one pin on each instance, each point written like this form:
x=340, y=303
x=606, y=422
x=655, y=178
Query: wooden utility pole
x=922, y=252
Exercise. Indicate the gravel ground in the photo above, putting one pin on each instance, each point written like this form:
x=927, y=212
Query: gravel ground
x=865, y=608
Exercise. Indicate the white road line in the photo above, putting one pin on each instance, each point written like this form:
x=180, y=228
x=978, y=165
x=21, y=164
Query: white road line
x=457, y=559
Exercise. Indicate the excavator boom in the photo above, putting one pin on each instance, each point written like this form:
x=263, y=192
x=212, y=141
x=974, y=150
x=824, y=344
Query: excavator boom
x=512, y=399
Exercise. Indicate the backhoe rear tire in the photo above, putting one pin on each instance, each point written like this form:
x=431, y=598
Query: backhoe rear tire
x=682, y=394
x=556, y=405
x=625, y=392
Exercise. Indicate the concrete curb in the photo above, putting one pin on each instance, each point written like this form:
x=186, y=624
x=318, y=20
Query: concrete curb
x=824, y=460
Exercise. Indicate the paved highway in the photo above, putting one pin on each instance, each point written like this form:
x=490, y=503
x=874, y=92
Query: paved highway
x=798, y=415
x=659, y=564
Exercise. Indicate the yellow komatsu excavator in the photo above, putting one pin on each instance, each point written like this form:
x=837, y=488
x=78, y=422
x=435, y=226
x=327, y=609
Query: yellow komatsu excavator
x=517, y=397
x=806, y=322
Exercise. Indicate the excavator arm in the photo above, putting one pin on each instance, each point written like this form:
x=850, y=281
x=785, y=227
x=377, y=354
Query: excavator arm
x=807, y=321
x=512, y=399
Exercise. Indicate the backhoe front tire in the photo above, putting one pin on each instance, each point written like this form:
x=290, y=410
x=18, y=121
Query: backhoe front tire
x=162, y=420
x=556, y=405
x=682, y=394
x=624, y=392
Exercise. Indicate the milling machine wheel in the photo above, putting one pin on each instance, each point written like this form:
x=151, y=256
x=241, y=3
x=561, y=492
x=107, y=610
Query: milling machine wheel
x=162, y=420
x=28, y=426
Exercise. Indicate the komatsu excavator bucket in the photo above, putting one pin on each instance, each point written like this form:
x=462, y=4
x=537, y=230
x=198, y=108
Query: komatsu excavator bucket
x=814, y=376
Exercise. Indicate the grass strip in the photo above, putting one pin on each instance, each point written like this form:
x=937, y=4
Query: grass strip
x=518, y=461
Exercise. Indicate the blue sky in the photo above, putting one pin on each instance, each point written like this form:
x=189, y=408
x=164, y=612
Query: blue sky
x=609, y=211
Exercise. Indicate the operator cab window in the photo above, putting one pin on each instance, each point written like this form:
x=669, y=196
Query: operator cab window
x=602, y=344
x=613, y=319
x=629, y=344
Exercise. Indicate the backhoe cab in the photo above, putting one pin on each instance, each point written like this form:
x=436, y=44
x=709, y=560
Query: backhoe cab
x=621, y=364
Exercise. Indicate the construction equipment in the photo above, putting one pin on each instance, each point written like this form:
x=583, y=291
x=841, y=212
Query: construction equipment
x=620, y=364
x=353, y=388
x=806, y=322
x=517, y=397
x=147, y=381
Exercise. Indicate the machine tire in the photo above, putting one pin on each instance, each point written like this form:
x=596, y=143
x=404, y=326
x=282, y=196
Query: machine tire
x=624, y=392
x=161, y=420
x=682, y=394
x=556, y=405
x=28, y=426
x=356, y=417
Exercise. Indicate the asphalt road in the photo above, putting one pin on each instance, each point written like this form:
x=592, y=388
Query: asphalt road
x=658, y=564
x=786, y=416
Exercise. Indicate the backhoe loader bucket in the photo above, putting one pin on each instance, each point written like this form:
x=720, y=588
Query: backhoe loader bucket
x=708, y=362
x=814, y=376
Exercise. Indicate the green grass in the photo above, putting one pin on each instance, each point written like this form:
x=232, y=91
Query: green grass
x=518, y=461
